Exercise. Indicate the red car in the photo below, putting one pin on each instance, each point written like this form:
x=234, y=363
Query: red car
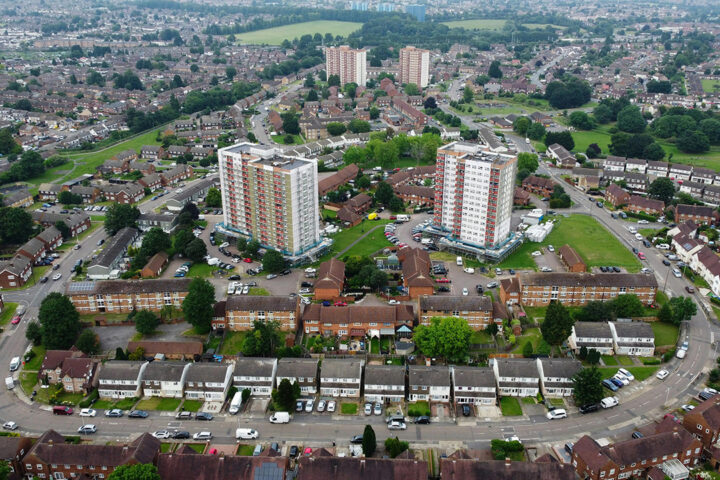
x=340, y=304
x=442, y=280
x=307, y=451
x=641, y=255
x=16, y=319
x=393, y=217
x=247, y=260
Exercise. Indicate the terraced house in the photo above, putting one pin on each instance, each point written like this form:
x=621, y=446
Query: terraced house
x=356, y=320
x=241, y=311
x=255, y=374
x=477, y=310
x=384, y=383
x=474, y=385
x=340, y=377
x=121, y=296
x=120, y=379
x=208, y=381
x=575, y=289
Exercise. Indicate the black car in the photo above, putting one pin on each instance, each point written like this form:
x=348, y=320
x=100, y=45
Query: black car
x=43, y=279
x=647, y=244
x=479, y=288
x=423, y=420
x=357, y=439
x=635, y=250
x=443, y=288
x=603, y=269
x=569, y=447
x=589, y=408
x=251, y=284
x=203, y=416
x=234, y=277
x=306, y=284
x=666, y=262
x=180, y=434
x=466, y=410
x=285, y=272
x=511, y=271
x=637, y=434
x=294, y=450
x=138, y=414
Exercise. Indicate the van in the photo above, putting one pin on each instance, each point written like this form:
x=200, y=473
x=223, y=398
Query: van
x=280, y=417
x=61, y=410
x=14, y=364
x=235, y=404
x=459, y=261
x=20, y=310
x=403, y=218
x=10, y=383
x=681, y=353
x=426, y=241
x=609, y=402
x=246, y=434
x=258, y=450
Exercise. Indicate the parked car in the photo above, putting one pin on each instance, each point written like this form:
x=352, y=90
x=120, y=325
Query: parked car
x=492, y=285
x=356, y=439
x=556, y=414
x=662, y=374
x=396, y=425
x=321, y=406
x=299, y=406
x=466, y=411
x=422, y=420
x=309, y=406
x=138, y=414
x=377, y=410
x=610, y=385
x=161, y=434
x=180, y=434
x=88, y=412
x=626, y=374
x=331, y=406
x=293, y=452
x=589, y=408
x=115, y=412
x=203, y=436
x=368, y=408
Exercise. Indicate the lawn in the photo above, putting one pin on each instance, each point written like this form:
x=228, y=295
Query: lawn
x=535, y=313
x=418, y=409
x=481, y=336
x=297, y=139
x=370, y=244
x=510, y=407
x=201, y=270
x=640, y=373
x=528, y=400
x=575, y=230
x=198, y=447
x=167, y=447
x=7, y=312
x=245, y=450
x=478, y=24
x=665, y=333
x=157, y=403
x=710, y=85
x=126, y=403
x=624, y=360
x=349, y=408
x=584, y=138
x=530, y=335
x=103, y=405
x=609, y=360
x=232, y=342
x=275, y=36
x=192, y=405
x=36, y=361
x=259, y=292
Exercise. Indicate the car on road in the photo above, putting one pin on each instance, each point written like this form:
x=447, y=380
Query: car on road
x=643, y=222
x=685, y=345
x=641, y=255
x=321, y=406
x=115, y=412
x=161, y=434
x=138, y=414
x=662, y=374
x=368, y=408
x=247, y=260
x=183, y=415
x=203, y=436
x=422, y=420
x=377, y=410
x=331, y=406
x=356, y=439
x=10, y=426
x=666, y=262
x=443, y=289
x=626, y=374
x=309, y=406
x=676, y=273
x=618, y=383
x=56, y=266
x=609, y=402
x=443, y=280
x=536, y=253
x=637, y=434
x=271, y=276
x=556, y=414
x=340, y=304
x=180, y=434
x=234, y=277
x=396, y=425
x=589, y=408
x=204, y=416
x=689, y=289
x=16, y=319
x=57, y=276
x=620, y=378
x=88, y=412
x=87, y=429
x=616, y=269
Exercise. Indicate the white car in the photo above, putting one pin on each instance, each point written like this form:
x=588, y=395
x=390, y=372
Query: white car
x=676, y=273
x=469, y=270
x=397, y=425
x=551, y=248
x=57, y=276
x=626, y=374
x=88, y=412
x=393, y=302
x=662, y=374
x=309, y=406
x=643, y=222
x=536, y=253
x=10, y=426
x=621, y=378
x=331, y=406
x=688, y=408
x=465, y=292
x=546, y=269
x=556, y=414
x=161, y=434
x=202, y=436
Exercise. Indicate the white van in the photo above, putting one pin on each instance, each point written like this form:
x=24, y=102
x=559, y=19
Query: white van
x=609, y=402
x=426, y=241
x=280, y=417
x=14, y=364
x=10, y=383
x=213, y=261
x=20, y=310
x=246, y=434
x=458, y=261
x=235, y=404
x=402, y=218
x=681, y=353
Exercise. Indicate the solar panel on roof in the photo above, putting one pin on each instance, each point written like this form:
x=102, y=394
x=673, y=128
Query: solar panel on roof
x=81, y=286
x=268, y=471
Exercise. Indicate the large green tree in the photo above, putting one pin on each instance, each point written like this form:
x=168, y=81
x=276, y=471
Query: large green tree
x=195, y=250
x=446, y=337
x=146, y=322
x=60, y=322
x=527, y=161
x=587, y=386
x=155, y=240
x=273, y=261
x=562, y=138
x=139, y=471
x=494, y=70
x=536, y=131
x=383, y=193
x=198, y=304
x=626, y=306
x=369, y=442
x=662, y=189
x=262, y=340
x=521, y=125
x=88, y=342
x=16, y=225
x=631, y=120
x=557, y=325
x=213, y=198
x=119, y=216
x=693, y=141
x=285, y=397
x=683, y=308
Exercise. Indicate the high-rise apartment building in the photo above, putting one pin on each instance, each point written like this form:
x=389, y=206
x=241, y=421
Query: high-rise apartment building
x=417, y=11
x=474, y=193
x=347, y=63
x=270, y=198
x=414, y=66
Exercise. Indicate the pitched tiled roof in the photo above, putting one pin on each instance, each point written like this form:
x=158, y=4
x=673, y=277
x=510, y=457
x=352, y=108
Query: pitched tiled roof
x=431, y=376
x=331, y=274
x=276, y=303
x=395, y=314
x=479, y=303
x=142, y=450
x=353, y=468
x=570, y=256
x=517, y=367
x=129, y=286
x=500, y=470
x=562, y=279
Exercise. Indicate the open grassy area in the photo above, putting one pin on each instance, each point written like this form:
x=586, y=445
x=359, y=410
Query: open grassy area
x=245, y=450
x=624, y=360
x=104, y=405
x=373, y=242
x=259, y=292
x=198, y=447
x=710, y=85
x=157, y=403
x=349, y=408
x=531, y=335
x=584, y=138
x=7, y=312
x=280, y=138
x=126, y=403
x=232, y=342
x=510, y=407
x=275, y=36
x=575, y=230
x=192, y=405
x=640, y=373
x=481, y=336
x=167, y=447
x=665, y=333
x=609, y=360
x=418, y=409
x=36, y=361
x=201, y=270
x=478, y=24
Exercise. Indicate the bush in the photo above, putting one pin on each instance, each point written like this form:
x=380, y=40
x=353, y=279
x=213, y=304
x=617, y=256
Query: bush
x=74, y=439
x=667, y=356
x=651, y=361
x=89, y=400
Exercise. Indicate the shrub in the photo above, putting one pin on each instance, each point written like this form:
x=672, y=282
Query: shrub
x=651, y=361
x=89, y=400
x=667, y=356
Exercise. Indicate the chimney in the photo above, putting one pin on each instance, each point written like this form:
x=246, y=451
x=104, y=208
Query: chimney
x=507, y=461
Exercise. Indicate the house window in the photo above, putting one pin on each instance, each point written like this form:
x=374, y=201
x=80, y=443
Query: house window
x=59, y=475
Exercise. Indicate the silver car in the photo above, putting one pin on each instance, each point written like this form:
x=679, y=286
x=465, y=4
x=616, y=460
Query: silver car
x=368, y=408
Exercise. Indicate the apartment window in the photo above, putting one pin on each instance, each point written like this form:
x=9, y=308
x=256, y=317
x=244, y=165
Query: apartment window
x=59, y=475
x=39, y=466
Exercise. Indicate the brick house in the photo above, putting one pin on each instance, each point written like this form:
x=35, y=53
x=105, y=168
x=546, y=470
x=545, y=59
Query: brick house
x=460, y=466
x=154, y=266
x=88, y=194
x=50, y=191
x=384, y=383
x=597, y=335
x=649, y=206
x=538, y=185
x=416, y=272
x=301, y=370
x=115, y=166
x=330, y=280
x=152, y=152
x=355, y=468
x=510, y=291
x=477, y=310
x=208, y=381
x=185, y=464
x=152, y=181
x=616, y=195
x=127, y=193
x=698, y=214
x=51, y=237
x=356, y=320
x=15, y=272
x=33, y=249
x=124, y=296
x=77, y=223
x=420, y=196
x=521, y=197
x=146, y=168
x=704, y=422
x=571, y=259
x=241, y=311
x=51, y=367
x=12, y=451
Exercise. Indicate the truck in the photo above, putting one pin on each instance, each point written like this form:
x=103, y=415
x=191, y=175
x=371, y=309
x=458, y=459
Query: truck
x=235, y=404
x=10, y=383
x=280, y=417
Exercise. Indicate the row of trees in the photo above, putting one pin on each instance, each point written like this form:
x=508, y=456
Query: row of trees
x=385, y=152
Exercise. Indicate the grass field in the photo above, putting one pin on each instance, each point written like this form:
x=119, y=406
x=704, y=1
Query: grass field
x=198, y=447
x=370, y=244
x=36, y=361
x=531, y=335
x=710, y=85
x=510, y=407
x=477, y=24
x=584, y=138
x=201, y=270
x=419, y=409
x=576, y=230
x=609, y=360
x=297, y=139
x=192, y=405
x=245, y=450
x=481, y=336
x=665, y=333
x=275, y=36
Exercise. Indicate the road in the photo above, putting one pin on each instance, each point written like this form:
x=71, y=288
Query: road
x=258, y=120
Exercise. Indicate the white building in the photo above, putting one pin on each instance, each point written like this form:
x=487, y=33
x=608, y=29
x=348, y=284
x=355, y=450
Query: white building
x=120, y=379
x=384, y=383
x=208, y=381
x=414, y=66
x=516, y=377
x=590, y=335
x=164, y=379
x=341, y=377
x=556, y=376
x=633, y=338
x=270, y=198
x=255, y=374
x=474, y=385
x=431, y=384
x=347, y=63
x=301, y=370
x=474, y=193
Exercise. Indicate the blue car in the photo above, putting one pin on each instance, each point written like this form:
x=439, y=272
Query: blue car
x=609, y=385
x=617, y=382
x=179, y=274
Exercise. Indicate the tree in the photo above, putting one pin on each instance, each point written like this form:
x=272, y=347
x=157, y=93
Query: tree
x=557, y=325
x=198, y=304
x=88, y=342
x=587, y=386
x=383, y=193
x=562, y=138
x=595, y=312
x=395, y=446
x=683, y=308
x=358, y=126
x=262, y=340
x=290, y=124
x=653, y=152
x=536, y=131
x=60, y=322
x=693, y=141
x=527, y=350
x=626, y=306
x=593, y=357
x=446, y=337
x=138, y=471
x=34, y=333
x=593, y=150
x=230, y=72
x=309, y=81
x=16, y=225
x=658, y=86
x=333, y=80
x=196, y=250
x=68, y=198
x=155, y=240
x=374, y=113
x=468, y=94
x=369, y=443
x=603, y=114
x=570, y=92
x=285, y=395
x=119, y=216
x=146, y=322
x=631, y=120
x=494, y=70
x=521, y=125
x=336, y=128
x=411, y=89
x=273, y=261
x=662, y=188
x=430, y=103
x=581, y=120
x=363, y=182
x=213, y=198
x=241, y=244
x=527, y=161
x=665, y=314
x=8, y=145
x=711, y=128
x=252, y=248
x=311, y=96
